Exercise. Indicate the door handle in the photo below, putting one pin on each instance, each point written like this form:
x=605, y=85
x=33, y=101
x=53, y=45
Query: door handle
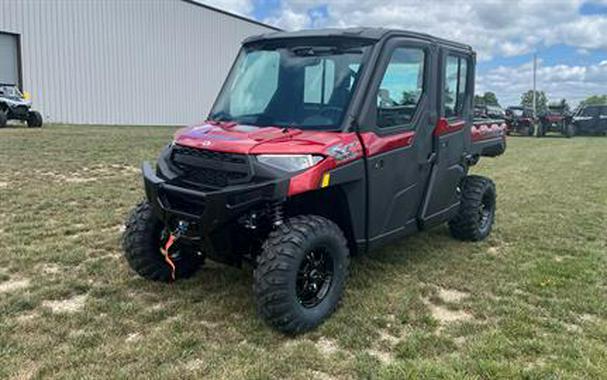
x=379, y=164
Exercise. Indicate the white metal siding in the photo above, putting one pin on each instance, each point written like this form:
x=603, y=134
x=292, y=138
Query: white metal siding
x=142, y=62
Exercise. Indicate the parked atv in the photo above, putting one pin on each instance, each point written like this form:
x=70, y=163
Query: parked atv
x=14, y=105
x=520, y=120
x=555, y=119
x=321, y=146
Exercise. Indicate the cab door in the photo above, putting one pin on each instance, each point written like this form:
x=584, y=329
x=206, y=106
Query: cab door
x=395, y=136
x=451, y=137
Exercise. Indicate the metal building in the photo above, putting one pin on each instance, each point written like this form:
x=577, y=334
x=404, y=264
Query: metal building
x=137, y=62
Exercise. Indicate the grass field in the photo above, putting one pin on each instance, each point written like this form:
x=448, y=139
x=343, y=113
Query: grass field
x=529, y=302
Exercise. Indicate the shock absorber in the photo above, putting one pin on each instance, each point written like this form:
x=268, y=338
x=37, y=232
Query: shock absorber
x=277, y=212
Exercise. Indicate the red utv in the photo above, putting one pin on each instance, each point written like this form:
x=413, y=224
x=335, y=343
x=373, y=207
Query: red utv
x=556, y=119
x=520, y=120
x=321, y=146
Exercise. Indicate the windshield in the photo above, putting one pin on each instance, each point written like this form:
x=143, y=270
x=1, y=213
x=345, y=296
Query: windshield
x=300, y=86
x=10, y=91
x=517, y=112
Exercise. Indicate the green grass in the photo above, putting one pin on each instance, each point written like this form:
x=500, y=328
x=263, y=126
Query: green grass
x=530, y=302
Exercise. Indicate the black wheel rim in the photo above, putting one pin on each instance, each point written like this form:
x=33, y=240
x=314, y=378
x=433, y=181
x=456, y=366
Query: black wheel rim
x=486, y=212
x=314, y=277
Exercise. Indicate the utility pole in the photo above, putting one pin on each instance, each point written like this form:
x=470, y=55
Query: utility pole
x=534, y=85
x=535, y=123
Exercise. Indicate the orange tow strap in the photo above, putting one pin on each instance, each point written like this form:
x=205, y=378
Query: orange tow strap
x=167, y=257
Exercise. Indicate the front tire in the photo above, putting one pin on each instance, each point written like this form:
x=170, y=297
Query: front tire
x=141, y=242
x=301, y=273
x=476, y=213
x=34, y=119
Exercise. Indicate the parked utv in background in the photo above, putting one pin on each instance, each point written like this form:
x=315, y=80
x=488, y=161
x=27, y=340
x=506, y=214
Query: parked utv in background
x=14, y=105
x=322, y=145
x=520, y=120
x=555, y=119
x=489, y=112
x=590, y=120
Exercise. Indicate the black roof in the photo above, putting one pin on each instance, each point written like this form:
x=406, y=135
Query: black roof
x=363, y=33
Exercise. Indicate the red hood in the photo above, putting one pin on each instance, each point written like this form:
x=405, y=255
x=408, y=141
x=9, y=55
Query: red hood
x=246, y=139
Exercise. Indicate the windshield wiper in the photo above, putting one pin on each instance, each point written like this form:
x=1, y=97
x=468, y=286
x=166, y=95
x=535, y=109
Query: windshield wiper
x=220, y=116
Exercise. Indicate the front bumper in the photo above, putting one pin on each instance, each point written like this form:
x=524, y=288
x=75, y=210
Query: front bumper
x=208, y=210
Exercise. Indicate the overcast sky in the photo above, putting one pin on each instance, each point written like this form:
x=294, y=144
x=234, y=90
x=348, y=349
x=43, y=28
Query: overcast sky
x=569, y=36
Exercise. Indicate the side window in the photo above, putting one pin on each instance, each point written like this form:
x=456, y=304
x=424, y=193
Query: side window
x=400, y=88
x=319, y=81
x=590, y=111
x=603, y=112
x=456, y=81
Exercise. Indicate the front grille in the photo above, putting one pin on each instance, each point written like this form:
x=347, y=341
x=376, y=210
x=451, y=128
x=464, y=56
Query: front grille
x=210, y=168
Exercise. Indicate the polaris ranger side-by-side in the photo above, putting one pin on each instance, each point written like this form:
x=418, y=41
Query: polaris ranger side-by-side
x=556, y=119
x=520, y=120
x=321, y=145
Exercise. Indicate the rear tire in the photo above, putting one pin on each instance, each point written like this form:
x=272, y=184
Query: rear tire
x=34, y=119
x=570, y=131
x=476, y=213
x=301, y=273
x=141, y=244
x=3, y=119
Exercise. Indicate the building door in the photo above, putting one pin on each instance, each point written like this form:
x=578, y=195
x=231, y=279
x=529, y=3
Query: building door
x=9, y=59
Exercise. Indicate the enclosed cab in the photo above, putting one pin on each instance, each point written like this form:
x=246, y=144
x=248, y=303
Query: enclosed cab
x=321, y=146
x=590, y=120
x=556, y=119
x=520, y=120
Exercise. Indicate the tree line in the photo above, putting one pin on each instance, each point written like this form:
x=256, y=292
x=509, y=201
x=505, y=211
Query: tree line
x=490, y=99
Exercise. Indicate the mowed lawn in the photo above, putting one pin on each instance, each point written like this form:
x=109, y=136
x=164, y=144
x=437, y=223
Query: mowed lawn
x=531, y=301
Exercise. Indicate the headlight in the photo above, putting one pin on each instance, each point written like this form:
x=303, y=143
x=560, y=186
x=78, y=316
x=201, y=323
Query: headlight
x=289, y=162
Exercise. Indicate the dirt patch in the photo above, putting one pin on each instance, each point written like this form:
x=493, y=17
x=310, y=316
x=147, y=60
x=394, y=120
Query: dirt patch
x=133, y=337
x=327, y=346
x=28, y=371
x=70, y=305
x=383, y=356
x=193, y=365
x=48, y=268
x=451, y=295
x=445, y=316
x=27, y=317
x=92, y=174
x=319, y=375
x=493, y=251
x=571, y=327
x=14, y=284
